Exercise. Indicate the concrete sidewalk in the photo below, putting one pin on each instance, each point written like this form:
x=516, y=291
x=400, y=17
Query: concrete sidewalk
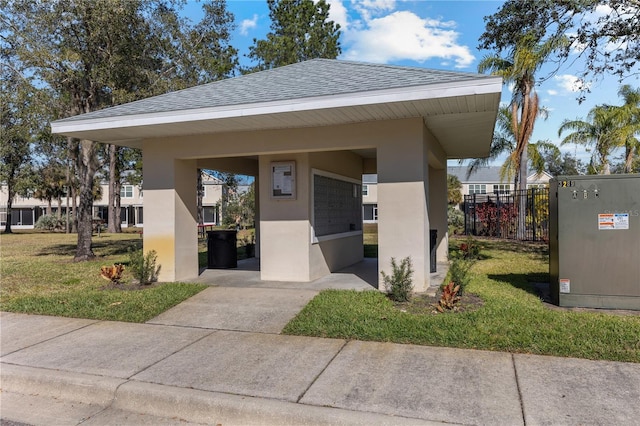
x=234, y=369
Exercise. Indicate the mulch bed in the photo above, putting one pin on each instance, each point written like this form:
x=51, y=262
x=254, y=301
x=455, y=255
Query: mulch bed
x=423, y=304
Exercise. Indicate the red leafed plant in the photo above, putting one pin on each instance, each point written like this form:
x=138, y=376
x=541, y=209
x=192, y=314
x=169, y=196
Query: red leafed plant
x=449, y=297
x=112, y=273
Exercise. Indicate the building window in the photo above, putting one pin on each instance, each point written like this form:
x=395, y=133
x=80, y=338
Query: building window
x=501, y=189
x=477, y=189
x=370, y=212
x=126, y=191
x=365, y=190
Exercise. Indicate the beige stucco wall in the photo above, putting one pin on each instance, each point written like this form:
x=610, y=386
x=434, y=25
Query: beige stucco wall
x=171, y=221
x=372, y=194
x=287, y=252
x=438, y=211
x=212, y=194
x=404, y=150
x=20, y=201
x=284, y=223
x=403, y=223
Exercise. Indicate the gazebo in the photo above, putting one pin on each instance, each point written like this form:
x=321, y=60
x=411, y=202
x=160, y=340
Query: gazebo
x=307, y=132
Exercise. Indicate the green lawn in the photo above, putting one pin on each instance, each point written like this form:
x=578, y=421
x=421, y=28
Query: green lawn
x=370, y=239
x=512, y=317
x=39, y=277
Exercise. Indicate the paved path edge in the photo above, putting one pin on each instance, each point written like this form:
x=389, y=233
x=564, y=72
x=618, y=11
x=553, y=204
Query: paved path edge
x=181, y=404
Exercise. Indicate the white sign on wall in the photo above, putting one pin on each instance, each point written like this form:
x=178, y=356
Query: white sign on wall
x=283, y=180
x=613, y=221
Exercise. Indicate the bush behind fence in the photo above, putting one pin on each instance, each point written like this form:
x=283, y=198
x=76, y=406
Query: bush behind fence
x=517, y=215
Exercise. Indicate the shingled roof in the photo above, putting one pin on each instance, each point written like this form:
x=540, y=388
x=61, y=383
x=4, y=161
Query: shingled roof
x=317, y=77
x=318, y=92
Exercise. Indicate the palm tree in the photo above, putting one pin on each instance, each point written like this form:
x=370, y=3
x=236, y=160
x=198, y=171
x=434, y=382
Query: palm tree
x=504, y=142
x=629, y=116
x=525, y=60
x=454, y=190
x=600, y=130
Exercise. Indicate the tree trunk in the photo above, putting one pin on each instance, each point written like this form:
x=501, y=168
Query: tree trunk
x=67, y=228
x=200, y=197
x=49, y=208
x=73, y=211
x=113, y=214
x=7, y=225
x=118, y=206
x=522, y=194
x=87, y=165
x=628, y=159
x=59, y=208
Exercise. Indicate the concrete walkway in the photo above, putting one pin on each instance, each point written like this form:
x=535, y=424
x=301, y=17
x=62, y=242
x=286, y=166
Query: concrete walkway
x=219, y=359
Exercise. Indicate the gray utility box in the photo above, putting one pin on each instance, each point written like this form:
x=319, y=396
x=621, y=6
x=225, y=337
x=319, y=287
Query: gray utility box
x=594, y=241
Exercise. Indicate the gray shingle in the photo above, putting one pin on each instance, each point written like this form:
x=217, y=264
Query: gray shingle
x=314, y=78
x=490, y=174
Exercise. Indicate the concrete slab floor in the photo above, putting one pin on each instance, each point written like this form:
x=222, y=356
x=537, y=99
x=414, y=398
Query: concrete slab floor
x=262, y=365
x=244, y=309
x=107, y=348
x=361, y=276
x=578, y=391
x=18, y=331
x=455, y=386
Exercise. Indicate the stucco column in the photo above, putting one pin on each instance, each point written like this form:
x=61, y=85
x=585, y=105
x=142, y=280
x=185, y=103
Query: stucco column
x=284, y=223
x=170, y=223
x=403, y=221
x=438, y=210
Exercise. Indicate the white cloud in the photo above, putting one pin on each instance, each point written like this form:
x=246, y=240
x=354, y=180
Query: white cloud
x=369, y=8
x=571, y=83
x=248, y=24
x=338, y=13
x=552, y=92
x=404, y=35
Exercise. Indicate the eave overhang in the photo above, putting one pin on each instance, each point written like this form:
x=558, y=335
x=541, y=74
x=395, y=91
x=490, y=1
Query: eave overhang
x=460, y=114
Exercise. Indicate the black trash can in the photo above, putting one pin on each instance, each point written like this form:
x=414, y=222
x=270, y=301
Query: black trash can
x=432, y=248
x=221, y=249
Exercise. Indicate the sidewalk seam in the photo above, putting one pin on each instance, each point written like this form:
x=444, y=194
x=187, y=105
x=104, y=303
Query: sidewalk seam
x=54, y=337
x=322, y=371
x=515, y=371
x=170, y=355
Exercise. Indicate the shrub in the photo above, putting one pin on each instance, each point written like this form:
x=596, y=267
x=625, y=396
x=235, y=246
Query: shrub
x=449, y=298
x=459, y=272
x=470, y=249
x=49, y=223
x=143, y=267
x=455, y=220
x=399, y=285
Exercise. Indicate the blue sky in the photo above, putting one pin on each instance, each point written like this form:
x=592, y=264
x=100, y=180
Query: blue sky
x=432, y=34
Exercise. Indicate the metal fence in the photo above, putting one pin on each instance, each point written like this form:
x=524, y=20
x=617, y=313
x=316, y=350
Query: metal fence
x=517, y=215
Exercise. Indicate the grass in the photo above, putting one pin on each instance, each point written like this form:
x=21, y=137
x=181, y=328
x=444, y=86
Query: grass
x=39, y=277
x=370, y=239
x=512, y=318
